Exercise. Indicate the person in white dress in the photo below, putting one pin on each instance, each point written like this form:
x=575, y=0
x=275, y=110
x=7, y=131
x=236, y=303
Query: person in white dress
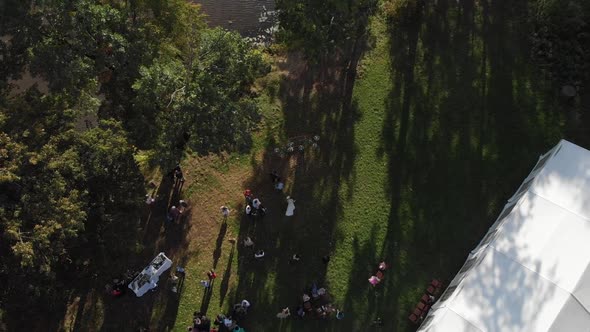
x=290, y=206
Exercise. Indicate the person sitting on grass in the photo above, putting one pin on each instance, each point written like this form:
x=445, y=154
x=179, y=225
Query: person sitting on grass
x=382, y=266
x=373, y=280
x=259, y=254
x=219, y=319
x=279, y=185
x=295, y=259
x=284, y=313
x=300, y=311
x=314, y=291
x=211, y=274
x=248, y=242
x=242, y=307
x=228, y=322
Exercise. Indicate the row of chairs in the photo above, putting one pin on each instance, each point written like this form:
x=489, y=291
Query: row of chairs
x=427, y=300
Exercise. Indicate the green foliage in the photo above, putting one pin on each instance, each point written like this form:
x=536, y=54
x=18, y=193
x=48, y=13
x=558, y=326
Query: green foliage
x=155, y=78
x=318, y=27
x=401, y=11
x=561, y=40
x=74, y=45
x=205, y=104
x=61, y=189
x=115, y=191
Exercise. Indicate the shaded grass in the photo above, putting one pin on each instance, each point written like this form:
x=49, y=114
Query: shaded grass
x=420, y=146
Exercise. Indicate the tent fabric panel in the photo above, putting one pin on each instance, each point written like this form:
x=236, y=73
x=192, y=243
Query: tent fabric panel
x=547, y=239
x=571, y=318
x=446, y=320
x=499, y=294
x=532, y=273
x=565, y=179
x=582, y=290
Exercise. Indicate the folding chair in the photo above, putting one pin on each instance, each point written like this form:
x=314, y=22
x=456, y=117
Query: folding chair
x=431, y=290
x=421, y=306
x=413, y=318
x=379, y=275
x=436, y=283
x=418, y=312
x=425, y=298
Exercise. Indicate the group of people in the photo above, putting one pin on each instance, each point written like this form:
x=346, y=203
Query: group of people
x=231, y=321
x=277, y=180
x=316, y=305
x=379, y=274
x=254, y=207
x=176, y=212
x=211, y=276
x=201, y=323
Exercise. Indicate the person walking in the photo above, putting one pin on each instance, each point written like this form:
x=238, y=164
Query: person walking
x=290, y=206
x=225, y=211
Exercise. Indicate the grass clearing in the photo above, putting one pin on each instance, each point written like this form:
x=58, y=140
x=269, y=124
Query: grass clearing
x=420, y=145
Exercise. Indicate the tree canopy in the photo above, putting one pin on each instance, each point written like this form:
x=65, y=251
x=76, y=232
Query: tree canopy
x=153, y=77
x=317, y=27
x=561, y=40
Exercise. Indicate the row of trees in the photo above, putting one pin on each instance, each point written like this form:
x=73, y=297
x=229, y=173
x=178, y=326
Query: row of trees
x=320, y=27
x=561, y=40
x=155, y=78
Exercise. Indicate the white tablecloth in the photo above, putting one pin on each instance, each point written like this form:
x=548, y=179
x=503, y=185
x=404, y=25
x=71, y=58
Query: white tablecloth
x=148, y=278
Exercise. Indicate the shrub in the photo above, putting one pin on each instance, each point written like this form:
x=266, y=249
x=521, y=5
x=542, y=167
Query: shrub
x=401, y=11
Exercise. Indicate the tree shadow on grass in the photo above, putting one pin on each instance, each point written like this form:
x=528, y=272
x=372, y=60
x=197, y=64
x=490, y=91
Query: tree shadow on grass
x=158, y=308
x=316, y=101
x=466, y=119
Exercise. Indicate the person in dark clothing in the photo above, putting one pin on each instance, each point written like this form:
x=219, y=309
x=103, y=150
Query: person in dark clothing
x=274, y=176
x=178, y=174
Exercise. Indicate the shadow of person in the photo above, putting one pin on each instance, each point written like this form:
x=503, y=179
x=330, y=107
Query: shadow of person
x=207, y=297
x=218, y=243
x=226, y=275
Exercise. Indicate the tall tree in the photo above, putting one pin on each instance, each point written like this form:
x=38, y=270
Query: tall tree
x=204, y=104
x=561, y=40
x=318, y=27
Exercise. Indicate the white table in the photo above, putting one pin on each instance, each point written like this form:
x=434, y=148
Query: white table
x=148, y=278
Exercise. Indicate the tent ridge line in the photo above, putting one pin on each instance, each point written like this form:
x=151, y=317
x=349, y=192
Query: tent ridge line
x=465, y=319
x=560, y=206
x=533, y=271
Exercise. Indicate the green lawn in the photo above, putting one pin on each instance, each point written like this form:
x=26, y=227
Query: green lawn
x=421, y=144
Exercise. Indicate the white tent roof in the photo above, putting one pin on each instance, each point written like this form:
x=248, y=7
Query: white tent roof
x=532, y=270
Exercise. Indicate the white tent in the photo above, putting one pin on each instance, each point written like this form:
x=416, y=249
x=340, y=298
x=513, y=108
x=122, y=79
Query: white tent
x=531, y=272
